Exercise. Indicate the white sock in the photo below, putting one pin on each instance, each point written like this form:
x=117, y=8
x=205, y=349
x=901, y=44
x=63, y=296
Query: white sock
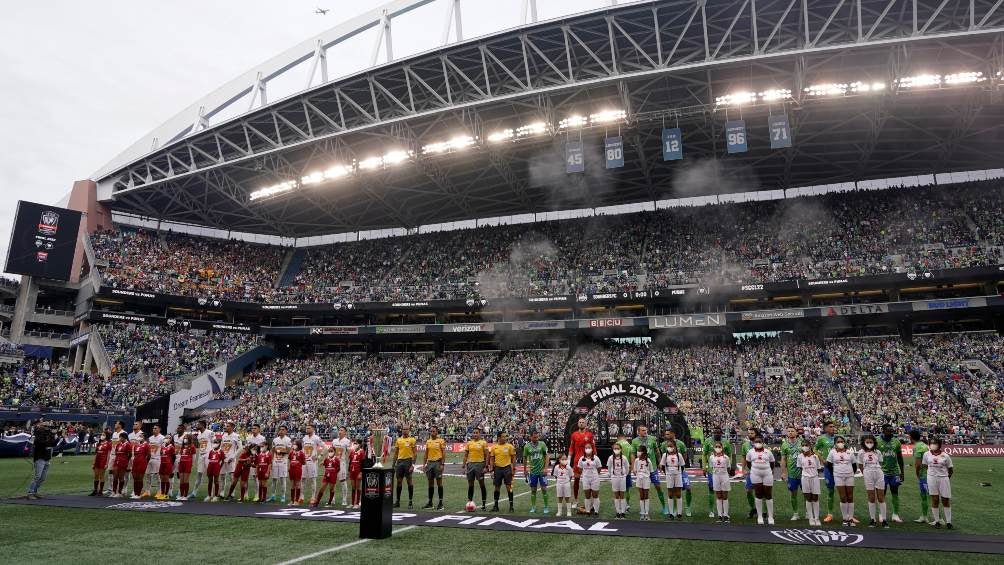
x=274, y=483
x=759, y=507
x=679, y=506
x=770, y=508
x=345, y=492
x=285, y=486
x=935, y=510
x=718, y=507
x=643, y=507
x=882, y=513
x=808, y=510
x=725, y=506
x=948, y=514
x=871, y=510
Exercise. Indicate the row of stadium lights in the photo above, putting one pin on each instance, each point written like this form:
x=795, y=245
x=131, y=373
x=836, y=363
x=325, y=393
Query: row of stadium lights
x=858, y=87
x=577, y=121
x=458, y=143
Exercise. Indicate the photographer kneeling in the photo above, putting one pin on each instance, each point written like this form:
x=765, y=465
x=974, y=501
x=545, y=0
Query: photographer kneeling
x=43, y=441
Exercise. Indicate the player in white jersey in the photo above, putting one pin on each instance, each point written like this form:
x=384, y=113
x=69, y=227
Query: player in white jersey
x=939, y=481
x=721, y=475
x=259, y=441
x=116, y=433
x=870, y=462
x=619, y=468
x=204, y=441
x=562, y=474
x=672, y=463
x=230, y=443
x=842, y=465
x=808, y=461
x=313, y=448
x=341, y=445
x=760, y=465
x=282, y=444
x=590, y=479
x=152, y=477
x=642, y=470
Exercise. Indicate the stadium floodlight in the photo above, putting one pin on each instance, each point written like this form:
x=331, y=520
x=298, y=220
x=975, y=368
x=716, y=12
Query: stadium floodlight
x=457, y=143
x=500, y=136
x=775, y=94
x=965, y=78
x=573, y=121
x=337, y=172
x=396, y=157
x=736, y=98
x=536, y=128
x=826, y=89
x=919, y=81
x=272, y=190
x=313, y=178
x=861, y=87
x=370, y=163
x=607, y=116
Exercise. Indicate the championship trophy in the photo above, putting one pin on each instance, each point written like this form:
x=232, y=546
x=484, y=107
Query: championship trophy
x=377, y=438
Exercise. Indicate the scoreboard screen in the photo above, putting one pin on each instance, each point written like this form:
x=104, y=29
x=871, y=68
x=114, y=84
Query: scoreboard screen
x=43, y=241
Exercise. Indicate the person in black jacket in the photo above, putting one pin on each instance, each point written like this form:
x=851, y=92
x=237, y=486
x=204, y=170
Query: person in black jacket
x=43, y=441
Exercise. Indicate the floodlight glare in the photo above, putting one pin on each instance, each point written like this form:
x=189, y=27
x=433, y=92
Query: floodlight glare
x=776, y=94
x=370, y=163
x=965, y=78
x=336, y=172
x=826, y=89
x=312, y=178
x=919, y=81
x=575, y=121
x=607, y=116
x=736, y=98
x=272, y=190
x=396, y=157
x=536, y=128
x=500, y=136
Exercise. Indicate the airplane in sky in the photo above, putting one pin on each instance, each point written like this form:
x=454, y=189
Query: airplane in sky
x=321, y=12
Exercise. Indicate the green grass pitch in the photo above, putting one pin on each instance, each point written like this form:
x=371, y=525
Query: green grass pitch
x=58, y=535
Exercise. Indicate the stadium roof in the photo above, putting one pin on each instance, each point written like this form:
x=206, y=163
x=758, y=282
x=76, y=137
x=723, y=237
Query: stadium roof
x=874, y=89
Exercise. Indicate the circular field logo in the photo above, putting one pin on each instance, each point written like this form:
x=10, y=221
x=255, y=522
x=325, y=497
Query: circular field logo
x=806, y=536
x=145, y=505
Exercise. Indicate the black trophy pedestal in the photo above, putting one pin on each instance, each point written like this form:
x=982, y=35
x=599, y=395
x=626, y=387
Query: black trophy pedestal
x=377, y=503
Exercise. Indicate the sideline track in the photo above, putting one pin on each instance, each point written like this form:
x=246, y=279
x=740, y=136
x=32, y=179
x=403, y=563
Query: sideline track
x=834, y=537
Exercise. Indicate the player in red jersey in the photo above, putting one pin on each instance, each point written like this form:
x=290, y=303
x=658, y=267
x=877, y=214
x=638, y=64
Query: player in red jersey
x=140, y=459
x=297, y=459
x=186, y=458
x=123, y=452
x=167, y=453
x=356, y=456
x=242, y=470
x=332, y=467
x=214, y=464
x=263, y=467
x=576, y=450
x=101, y=456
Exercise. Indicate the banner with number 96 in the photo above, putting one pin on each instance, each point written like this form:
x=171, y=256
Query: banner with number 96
x=735, y=136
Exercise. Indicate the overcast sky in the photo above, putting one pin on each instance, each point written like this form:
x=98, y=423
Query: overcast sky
x=81, y=81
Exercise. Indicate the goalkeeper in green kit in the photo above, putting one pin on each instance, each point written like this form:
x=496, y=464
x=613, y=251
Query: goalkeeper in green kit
x=535, y=456
x=892, y=466
x=919, y=449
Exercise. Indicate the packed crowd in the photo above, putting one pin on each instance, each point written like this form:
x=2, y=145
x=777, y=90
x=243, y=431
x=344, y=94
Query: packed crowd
x=163, y=352
x=834, y=235
x=764, y=383
x=51, y=384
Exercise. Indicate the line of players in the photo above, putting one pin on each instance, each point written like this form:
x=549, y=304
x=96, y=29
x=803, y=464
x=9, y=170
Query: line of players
x=227, y=461
x=161, y=465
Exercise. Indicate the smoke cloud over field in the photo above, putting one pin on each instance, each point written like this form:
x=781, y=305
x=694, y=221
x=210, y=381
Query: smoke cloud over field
x=703, y=177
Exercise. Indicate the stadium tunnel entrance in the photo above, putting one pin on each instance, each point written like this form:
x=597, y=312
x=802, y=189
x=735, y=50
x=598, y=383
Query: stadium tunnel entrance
x=668, y=415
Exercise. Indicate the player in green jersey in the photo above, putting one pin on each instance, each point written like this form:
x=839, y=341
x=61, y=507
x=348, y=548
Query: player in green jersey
x=535, y=456
x=746, y=446
x=652, y=448
x=824, y=444
x=627, y=450
x=791, y=446
x=681, y=448
x=892, y=466
x=706, y=454
x=919, y=449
